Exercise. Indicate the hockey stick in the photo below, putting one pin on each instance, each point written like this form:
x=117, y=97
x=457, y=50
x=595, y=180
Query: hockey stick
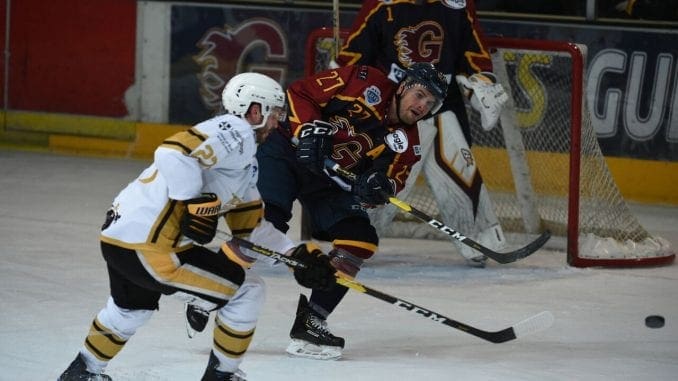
x=335, y=28
x=502, y=258
x=536, y=323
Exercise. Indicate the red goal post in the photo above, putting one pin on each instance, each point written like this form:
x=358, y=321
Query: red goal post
x=543, y=167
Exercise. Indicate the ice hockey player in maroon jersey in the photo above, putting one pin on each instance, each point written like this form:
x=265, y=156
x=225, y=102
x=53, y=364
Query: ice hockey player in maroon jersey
x=393, y=34
x=358, y=118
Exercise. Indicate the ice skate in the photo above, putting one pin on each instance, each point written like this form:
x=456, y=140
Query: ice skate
x=311, y=337
x=77, y=371
x=212, y=374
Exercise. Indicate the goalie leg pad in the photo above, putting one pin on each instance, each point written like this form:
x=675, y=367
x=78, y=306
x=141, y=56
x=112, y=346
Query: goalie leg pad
x=458, y=188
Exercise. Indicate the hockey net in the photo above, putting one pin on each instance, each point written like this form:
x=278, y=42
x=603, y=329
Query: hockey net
x=543, y=167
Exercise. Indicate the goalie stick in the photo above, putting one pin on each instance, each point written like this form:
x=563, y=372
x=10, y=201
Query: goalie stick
x=502, y=258
x=533, y=324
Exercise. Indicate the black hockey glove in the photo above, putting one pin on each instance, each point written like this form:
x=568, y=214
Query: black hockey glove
x=315, y=144
x=318, y=273
x=373, y=187
x=200, y=221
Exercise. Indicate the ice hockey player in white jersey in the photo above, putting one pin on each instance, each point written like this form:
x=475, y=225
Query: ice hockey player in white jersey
x=152, y=236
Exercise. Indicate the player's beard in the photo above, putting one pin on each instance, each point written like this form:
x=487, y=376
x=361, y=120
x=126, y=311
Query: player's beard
x=408, y=116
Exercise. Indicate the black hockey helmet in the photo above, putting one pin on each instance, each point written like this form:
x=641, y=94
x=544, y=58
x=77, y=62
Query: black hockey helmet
x=426, y=75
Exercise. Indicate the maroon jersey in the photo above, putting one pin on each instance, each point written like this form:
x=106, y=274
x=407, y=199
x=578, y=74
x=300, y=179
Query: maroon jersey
x=391, y=35
x=355, y=100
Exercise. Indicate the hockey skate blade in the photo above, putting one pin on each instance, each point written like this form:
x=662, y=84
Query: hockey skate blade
x=534, y=324
x=300, y=348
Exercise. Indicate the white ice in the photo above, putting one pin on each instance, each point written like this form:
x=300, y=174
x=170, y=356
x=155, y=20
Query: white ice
x=53, y=281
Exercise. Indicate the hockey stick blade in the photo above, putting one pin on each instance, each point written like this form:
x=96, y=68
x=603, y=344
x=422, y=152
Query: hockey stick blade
x=533, y=324
x=498, y=257
x=528, y=326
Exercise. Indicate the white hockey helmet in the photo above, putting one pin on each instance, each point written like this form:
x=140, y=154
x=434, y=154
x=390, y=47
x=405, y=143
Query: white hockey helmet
x=247, y=88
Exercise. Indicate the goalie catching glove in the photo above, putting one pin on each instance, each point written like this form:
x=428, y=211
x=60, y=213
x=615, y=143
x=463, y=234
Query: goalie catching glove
x=373, y=188
x=486, y=96
x=200, y=221
x=314, y=144
x=317, y=272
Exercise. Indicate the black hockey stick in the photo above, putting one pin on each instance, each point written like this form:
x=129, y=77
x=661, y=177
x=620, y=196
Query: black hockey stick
x=536, y=323
x=502, y=258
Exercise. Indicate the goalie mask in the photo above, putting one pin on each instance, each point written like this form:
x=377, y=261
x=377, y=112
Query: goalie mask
x=426, y=75
x=247, y=88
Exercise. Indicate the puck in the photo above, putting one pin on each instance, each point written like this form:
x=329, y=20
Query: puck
x=654, y=321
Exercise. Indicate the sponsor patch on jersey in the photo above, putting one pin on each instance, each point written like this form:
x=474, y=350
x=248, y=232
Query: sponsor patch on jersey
x=396, y=74
x=372, y=95
x=417, y=150
x=455, y=4
x=397, y=141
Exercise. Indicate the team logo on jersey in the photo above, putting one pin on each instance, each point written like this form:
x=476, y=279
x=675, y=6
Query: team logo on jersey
x=372, y=95
x=468, y=157
x=112, y=216
x=420, y=43
x=231, y=204
x=397, y=141
x=455, y=4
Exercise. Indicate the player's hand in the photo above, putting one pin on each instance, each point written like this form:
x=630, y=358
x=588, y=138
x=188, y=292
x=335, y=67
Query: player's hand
x=201, y=218
x=317, y=273
x=314, y=145
x=373, y=187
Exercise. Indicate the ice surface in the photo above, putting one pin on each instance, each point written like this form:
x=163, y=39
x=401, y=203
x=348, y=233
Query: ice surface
x=53, y=282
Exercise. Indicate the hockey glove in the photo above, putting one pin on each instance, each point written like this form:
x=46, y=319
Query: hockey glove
x=200, y=221
x=373, y=187
x=317, y=274
x=314, y=145
x=486, y=96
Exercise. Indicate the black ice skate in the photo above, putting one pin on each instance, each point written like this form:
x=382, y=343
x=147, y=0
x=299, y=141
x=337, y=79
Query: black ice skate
x=212, y=374
x=77, y=371
x=196, y=319
x=310, y=336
